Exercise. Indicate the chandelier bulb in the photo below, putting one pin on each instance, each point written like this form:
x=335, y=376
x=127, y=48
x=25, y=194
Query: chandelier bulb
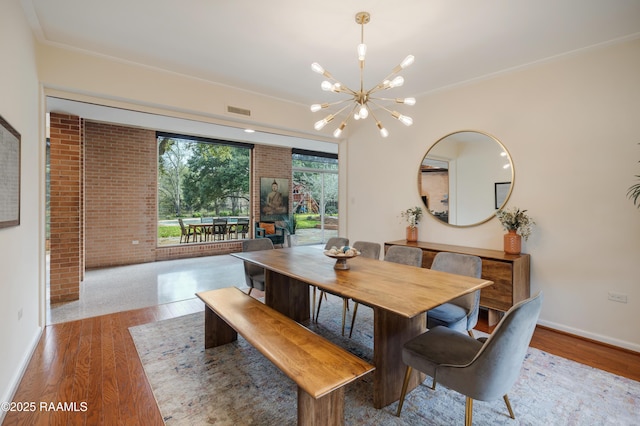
x=326, y=86
x=362, y=51
x=406, y=101
x=316, y=107
x=396, y=82
x=337, y=132
x=407, y=61
x=363, y=112
x=404, y=119
x=383, y=132
x=316, y=67
x=321, y=123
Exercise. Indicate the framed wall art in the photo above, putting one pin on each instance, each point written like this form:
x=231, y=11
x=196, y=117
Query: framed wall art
x=274, y=198
x=9, y=175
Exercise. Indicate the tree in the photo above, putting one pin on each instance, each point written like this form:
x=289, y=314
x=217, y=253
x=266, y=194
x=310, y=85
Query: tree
x=172, y=169
x=218, y=176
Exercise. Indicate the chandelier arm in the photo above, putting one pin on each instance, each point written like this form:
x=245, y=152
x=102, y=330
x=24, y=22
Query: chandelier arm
x=407, y=121
x=396, y=100
x=327, y=105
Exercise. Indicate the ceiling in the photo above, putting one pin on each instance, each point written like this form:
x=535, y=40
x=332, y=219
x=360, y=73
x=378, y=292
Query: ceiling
x=268, y=46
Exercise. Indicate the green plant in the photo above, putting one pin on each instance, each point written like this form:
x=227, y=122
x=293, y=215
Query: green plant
x=517, y=220
x=290, y=224
x=412, y=216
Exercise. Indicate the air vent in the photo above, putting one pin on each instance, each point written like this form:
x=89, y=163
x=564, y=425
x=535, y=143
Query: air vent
x=236, y=110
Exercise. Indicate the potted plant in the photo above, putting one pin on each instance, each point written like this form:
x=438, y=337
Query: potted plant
x=412, y=216
x=290, y=226
x=518, y=225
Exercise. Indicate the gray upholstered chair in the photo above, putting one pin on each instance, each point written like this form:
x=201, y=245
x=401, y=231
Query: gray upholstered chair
x=368, y=249
x=411, y=256
x=406, y=255
x=461, y=313
x=253, y=274
x=483, y=369
x=336, y=242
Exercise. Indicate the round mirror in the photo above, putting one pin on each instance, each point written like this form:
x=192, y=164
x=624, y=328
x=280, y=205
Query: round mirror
x=465, y=177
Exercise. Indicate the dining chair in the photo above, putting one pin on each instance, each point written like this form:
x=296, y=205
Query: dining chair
x=186, y=232
x=336, y=242
x=275, y=233
x=483, y=369
x=207, y=227
x=461, y=313
x=368, y=249
x=254, y=274
x=242, y=228
x=411, y=256
x=219, y=228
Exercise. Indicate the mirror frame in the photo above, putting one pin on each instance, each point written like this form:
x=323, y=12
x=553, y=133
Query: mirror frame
x=506, y=199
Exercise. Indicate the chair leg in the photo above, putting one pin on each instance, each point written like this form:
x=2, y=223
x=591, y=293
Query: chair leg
x=249, y=293
x=353, y=318
x=403, y=393
x=468, y=412
x=470, y=333
x=506, y=401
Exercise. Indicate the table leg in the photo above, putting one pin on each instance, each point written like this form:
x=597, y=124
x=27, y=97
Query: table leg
x=390, y=332
x=287, y=296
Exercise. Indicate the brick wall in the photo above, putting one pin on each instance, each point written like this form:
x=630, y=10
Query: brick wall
x=65, y=208
x=120, y=191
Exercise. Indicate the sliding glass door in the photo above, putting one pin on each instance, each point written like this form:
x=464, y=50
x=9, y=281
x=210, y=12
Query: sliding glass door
x=315, y=197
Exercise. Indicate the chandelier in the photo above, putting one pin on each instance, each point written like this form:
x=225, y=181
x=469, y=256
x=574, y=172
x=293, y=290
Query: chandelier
x=361, y=100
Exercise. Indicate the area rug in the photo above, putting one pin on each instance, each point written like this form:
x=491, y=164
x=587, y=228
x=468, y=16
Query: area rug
x=235, y=385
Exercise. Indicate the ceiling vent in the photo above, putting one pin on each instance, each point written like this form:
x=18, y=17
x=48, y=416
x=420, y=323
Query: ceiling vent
x=236, y=110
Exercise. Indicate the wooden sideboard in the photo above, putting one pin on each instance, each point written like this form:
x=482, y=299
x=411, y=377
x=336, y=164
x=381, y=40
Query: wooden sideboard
x=509, y=273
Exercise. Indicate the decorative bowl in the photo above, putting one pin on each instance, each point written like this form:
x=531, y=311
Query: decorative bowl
x=341, y=255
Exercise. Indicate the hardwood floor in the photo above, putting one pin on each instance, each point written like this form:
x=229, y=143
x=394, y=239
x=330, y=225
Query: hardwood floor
x=94, y=362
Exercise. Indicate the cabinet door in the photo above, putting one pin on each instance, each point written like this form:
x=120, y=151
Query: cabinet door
x=499, y=295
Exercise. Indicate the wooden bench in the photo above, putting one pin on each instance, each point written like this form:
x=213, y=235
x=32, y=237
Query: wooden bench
x=319, y=367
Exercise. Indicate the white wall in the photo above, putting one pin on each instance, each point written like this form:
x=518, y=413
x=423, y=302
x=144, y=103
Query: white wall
x=571, y=126
x=21, y=247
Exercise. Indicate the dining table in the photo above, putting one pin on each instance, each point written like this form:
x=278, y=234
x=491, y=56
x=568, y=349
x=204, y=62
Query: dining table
x=400, y=295
x=201, y=229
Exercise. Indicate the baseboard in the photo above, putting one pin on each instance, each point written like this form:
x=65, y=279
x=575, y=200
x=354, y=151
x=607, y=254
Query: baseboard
x=622, y=344
x=17, y=377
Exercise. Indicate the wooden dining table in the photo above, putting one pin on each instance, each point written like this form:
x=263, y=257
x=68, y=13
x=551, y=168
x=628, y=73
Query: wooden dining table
x=399, y=295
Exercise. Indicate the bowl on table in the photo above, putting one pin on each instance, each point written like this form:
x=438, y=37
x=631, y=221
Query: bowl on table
x=341, y=254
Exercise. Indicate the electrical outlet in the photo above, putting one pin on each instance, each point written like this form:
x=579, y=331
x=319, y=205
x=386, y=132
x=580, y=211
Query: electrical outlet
x=134, y=242
x=617, y=297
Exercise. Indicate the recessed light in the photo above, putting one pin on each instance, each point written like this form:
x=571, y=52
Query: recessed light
x=249, y=131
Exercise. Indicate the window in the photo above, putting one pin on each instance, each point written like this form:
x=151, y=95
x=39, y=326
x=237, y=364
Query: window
x=315, y=196
x=200, y=179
